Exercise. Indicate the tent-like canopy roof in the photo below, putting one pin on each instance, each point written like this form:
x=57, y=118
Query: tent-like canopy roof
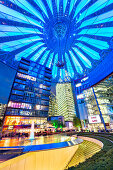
x=68, y=36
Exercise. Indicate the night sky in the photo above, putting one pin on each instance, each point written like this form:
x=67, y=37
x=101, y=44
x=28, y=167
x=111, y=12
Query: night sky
x=7, y=75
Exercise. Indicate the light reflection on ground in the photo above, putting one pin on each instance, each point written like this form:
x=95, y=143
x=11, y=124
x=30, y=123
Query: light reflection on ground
x=38, y=140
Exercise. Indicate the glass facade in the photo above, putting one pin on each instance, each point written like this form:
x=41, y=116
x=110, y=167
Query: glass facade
x=65, y=100
x=98, y=103
x=53, y=105
x=104, y=94
x=2, y=110
x=29, y=96
x=95, y=118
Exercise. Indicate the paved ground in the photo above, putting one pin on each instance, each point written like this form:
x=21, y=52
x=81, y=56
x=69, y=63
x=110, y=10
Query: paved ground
x=9, y=154
x=5, y=142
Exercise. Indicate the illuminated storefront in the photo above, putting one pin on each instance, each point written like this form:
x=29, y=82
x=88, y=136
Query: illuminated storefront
x=21, y=124
x=17, y=120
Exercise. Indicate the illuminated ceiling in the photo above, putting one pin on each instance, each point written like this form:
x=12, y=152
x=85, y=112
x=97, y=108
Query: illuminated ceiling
x=68, y=36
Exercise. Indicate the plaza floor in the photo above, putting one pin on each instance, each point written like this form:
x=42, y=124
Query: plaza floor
x=8, y=142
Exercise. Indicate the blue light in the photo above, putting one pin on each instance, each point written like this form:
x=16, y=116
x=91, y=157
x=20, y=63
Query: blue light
x=76, y=63
x=97, y=31
x=99, y=19
x=36, y=56
x=4, y=34
x=51, y=31
x=64, y=5
x=6, y=47
x=28, y=51
x=21, y=42
x=105, y=16
x=69, y=66
x=13, y=13
x=54, y=70
x=97, y=43
x=62, y=74
x=43, y=59
x=50, y=5
x=93, y=8
x=86, y=62
x=72, y=3
x=5, y=28
x=93, y=54
x=42, y=6
x=58, y=5
x=50, y=60
x=80, y=6
x=26, y=6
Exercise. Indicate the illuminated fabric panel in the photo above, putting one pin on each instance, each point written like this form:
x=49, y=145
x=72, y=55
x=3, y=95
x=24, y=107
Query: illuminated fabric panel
x=68, y=36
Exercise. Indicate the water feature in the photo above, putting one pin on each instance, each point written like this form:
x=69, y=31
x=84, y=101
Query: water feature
x=32, y=132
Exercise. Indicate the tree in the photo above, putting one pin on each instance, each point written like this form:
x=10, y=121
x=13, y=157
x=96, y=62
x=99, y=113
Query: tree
x=76, y=122
x=57, y=124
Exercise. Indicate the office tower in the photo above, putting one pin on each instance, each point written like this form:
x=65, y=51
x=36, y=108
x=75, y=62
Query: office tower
x=29, y=96
x=65, y=100
x=53, y=106
x=99, y=105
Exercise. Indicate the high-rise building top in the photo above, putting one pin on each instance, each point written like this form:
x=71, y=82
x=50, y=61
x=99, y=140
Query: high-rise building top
x=65, y=99
x=53, y=105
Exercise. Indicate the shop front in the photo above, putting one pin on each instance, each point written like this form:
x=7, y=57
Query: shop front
x=20, y=124
x=96, y=127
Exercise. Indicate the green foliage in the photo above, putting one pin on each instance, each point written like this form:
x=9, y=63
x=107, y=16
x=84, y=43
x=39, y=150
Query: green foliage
x=57, y=124
x=102, y=160
x=76, y=122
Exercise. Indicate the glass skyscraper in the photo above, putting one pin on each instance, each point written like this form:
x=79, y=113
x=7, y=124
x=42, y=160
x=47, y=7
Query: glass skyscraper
x=95, y=103
x=65, y=99
x=29, y=96
x=53, y=106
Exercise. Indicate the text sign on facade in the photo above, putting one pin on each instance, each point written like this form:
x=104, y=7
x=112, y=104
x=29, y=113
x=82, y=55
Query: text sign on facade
x=94, y=119
x=26, y=77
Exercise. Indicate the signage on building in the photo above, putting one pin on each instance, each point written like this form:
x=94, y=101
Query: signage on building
x=38, y=107
x=19, y=105
x=84, y=79
x=94, y=119
x=26, y=77
x=78, y=85
x=25, y=113
x=59, y=118
x=80, y=96
x=10, y=127
x=107, y=124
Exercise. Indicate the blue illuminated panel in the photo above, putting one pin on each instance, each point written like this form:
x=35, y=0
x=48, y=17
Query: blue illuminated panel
x=73, y=32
